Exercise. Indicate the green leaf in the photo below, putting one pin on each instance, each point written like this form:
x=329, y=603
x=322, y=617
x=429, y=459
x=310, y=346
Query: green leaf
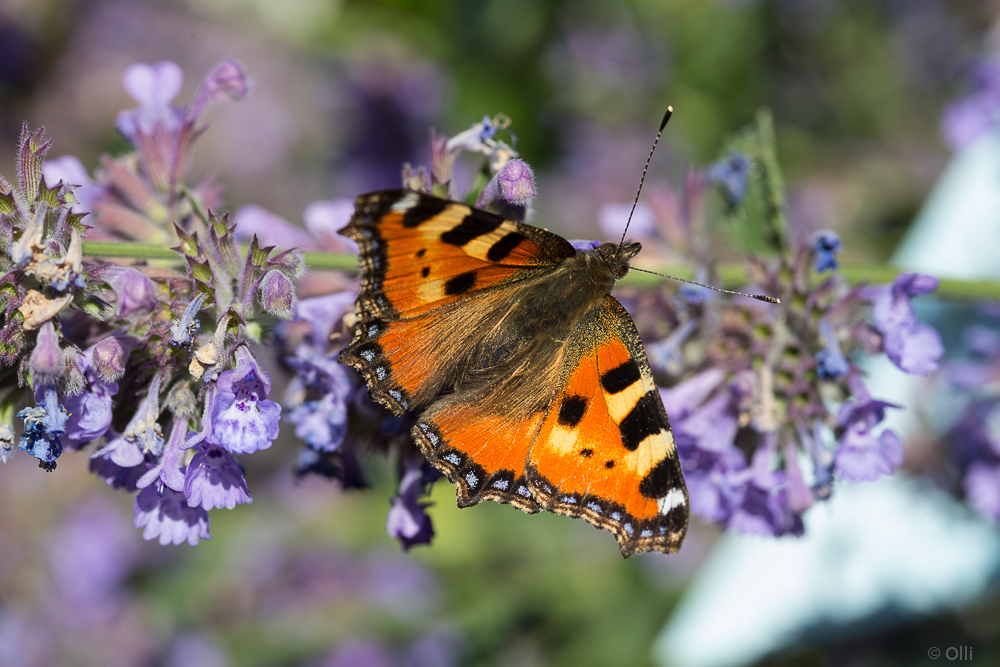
x=757, y=225
x=200, y=270
x=188, y=242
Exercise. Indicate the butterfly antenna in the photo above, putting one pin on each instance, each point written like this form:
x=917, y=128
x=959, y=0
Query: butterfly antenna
x=759, y=297
x=663, y=124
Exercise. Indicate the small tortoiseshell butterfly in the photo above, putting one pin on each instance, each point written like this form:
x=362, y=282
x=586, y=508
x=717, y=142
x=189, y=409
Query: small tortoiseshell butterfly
x=528, y=379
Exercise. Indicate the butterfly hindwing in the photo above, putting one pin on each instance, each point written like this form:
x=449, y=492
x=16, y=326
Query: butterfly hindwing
x=605, y=451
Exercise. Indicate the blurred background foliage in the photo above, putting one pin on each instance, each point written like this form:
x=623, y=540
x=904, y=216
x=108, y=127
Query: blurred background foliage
x=344, y=92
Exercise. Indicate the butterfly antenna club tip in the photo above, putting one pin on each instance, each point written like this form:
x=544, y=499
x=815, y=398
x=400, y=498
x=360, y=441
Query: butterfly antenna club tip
x=642, y=179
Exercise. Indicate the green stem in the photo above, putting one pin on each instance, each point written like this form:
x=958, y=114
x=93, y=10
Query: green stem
x=732, y=275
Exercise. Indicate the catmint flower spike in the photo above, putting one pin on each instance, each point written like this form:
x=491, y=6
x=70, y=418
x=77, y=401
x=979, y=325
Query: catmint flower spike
x=46, y=362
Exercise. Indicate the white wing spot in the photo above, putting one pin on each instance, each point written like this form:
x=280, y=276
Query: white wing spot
x=368, y=355
x=617, y=516
x=628, y=528
x=674, y=498
x=501, y=484
x=523, y=490
x=407, y=202
x=381, y=373
x=569, y=500
x=594, y=506
x=372, y=330
x=453, y=459
x=646, y=533
x=472, y=479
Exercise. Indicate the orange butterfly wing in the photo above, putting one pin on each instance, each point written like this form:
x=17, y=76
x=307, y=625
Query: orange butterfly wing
x=605, y=451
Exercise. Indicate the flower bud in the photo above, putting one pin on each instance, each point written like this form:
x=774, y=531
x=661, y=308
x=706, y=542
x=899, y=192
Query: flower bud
x=277, y=293
x=46, y=358
x=136, y=292
x=108, y=359
x=517, y=184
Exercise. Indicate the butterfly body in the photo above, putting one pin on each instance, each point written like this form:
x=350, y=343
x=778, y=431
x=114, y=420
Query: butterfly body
x=528, y=379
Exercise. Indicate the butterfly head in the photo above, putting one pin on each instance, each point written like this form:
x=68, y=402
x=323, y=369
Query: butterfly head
x=616, y=256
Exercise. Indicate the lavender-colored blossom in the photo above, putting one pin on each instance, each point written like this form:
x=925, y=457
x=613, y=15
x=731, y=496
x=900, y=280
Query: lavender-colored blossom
x=830, y=361
x=407, y=520
x=270, y=229
x=214, y=479
x=169, y=469
x=108, y=357
x=46, y=361
x=90, y=410
x=69, y=171
x=585, y=245
x=966, y=119
x=226, y=82
x=732, y=173
x=764, y=506
x=826, y=247
x=6, y=442
x=982, y=489
x=323, y=313
x=517, y=183
x=166, y=516
x=863, y=455
x=135, y=292
x=153, y=87
x=120, y=463
x=613, y=216
x=324, y=219
x=277, y=292
x=243, y=420
x=44, y=426
x=910, y=345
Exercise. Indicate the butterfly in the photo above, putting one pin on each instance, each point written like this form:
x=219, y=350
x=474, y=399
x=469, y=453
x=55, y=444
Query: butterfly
x=528, y=380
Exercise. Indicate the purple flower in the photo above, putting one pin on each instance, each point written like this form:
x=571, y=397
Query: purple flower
x=227, y=82
x=613, y=216
x=861, y=454
x=966, y=119
x=517, y=183
x=135, y=292
x=169, y=469
x=69, y=171
x=982, y=488
x=214, y=479
x=322, y=421
x=6, y=442
x=46, y=361
x=325, y=218
x=243, y=420
x=732, y=173
x=90, y=410
x=167, y=517
x=43, y=429
x=277, y=293
x=117, y=476
x=270, y=229
x=764, y=506
x=585, y=245
x=830, y=361
x=912, y=346
x=108, y=357
x=324, y=312
x=826, y=247
x=407, y=520
x=153, y=87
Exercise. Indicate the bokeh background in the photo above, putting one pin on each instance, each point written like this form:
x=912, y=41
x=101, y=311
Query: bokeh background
x=345, y=92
